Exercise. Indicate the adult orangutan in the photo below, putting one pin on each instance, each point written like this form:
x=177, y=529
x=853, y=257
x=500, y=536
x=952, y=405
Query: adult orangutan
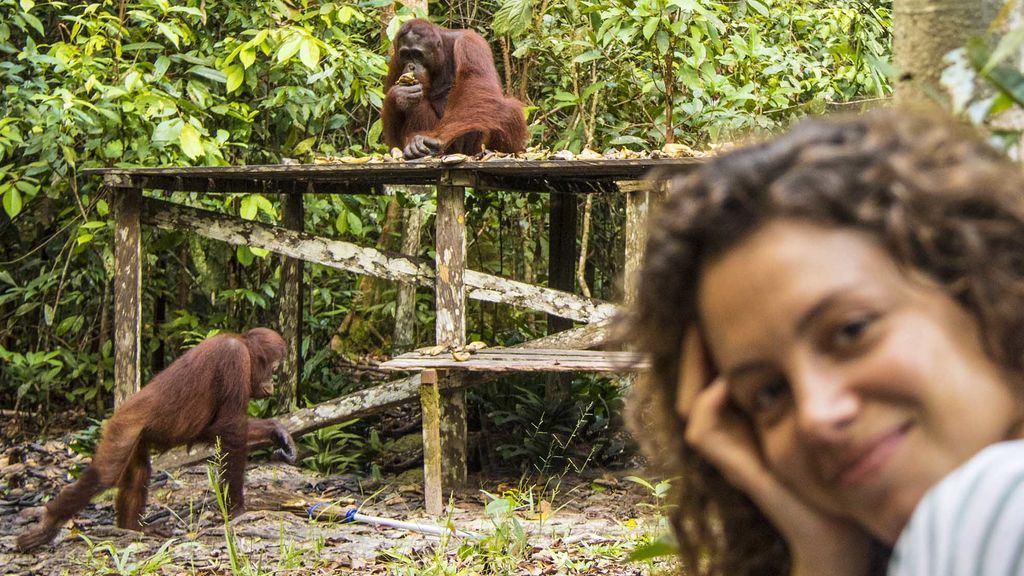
x=444, y=95
x=199, y=398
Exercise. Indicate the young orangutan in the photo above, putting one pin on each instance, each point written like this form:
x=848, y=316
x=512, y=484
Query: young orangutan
x=199, y=398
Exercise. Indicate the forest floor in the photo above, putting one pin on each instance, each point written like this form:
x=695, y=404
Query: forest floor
x=576, y=524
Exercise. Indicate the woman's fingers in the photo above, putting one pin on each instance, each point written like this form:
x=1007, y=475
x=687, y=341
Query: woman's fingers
x=694, y=372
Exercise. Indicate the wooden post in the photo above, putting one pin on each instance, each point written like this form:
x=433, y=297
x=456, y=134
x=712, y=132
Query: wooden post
x=561, y=251
x=291, y=308
x=638, y=199
x=430, y=401
x=450, y=294
x=127, y=292
x=562, y=216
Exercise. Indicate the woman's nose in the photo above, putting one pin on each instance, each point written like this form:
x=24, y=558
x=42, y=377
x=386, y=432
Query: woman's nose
x=826, y=405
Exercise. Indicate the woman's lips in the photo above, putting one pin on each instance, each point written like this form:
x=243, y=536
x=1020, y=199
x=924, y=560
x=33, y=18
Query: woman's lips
x=872, y=458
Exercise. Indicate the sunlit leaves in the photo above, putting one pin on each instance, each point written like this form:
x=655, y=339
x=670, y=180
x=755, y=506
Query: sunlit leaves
x=12, y=200
x=252, y=204
x=190, y=141
x=513, y=18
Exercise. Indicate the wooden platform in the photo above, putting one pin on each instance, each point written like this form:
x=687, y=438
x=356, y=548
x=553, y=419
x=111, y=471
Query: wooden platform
x=522, y=360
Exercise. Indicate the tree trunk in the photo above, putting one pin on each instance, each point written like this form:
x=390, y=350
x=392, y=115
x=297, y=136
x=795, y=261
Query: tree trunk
x=924, y=31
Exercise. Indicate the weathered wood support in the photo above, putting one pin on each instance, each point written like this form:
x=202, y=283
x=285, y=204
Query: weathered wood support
x=353, y=258
x=430, y=404
x=127, y=292
x=562, y=216
x=638, y=200
x=561, y=251
x=291, y=308
x=450, y=329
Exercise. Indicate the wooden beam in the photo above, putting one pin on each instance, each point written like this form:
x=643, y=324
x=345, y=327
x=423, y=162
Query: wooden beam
x=290, y=311
x=360, y=260
x=127, y=292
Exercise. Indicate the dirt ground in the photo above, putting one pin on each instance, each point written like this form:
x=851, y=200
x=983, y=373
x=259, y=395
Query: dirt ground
x=577, y=524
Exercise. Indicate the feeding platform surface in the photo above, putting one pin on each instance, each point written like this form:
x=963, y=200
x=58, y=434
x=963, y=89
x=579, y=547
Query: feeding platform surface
x=560, y=176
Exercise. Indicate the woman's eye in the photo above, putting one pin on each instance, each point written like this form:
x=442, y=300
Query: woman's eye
x=768, y=397
x=850, y=332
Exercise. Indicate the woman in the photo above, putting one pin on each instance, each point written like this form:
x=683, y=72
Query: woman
x=836, y=324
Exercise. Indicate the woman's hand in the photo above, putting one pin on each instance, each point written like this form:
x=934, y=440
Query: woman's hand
x=819, y=543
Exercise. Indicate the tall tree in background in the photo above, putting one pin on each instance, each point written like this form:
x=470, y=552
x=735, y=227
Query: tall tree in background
x=924, y=31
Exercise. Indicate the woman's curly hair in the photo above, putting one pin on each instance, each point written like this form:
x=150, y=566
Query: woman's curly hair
x=934, y=194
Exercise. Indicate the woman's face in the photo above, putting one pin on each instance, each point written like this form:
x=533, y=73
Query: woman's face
x=864, y=386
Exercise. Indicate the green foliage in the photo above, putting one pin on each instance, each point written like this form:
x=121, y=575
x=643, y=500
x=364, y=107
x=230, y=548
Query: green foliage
x=105, y=558
x=606, y=72
x=334, y=450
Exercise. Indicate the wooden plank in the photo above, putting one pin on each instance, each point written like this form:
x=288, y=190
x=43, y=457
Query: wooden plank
x=450, y=328
x=430, y=404
x=127, y=292
x=290, y=311
x=523, y=360
x=360, y=260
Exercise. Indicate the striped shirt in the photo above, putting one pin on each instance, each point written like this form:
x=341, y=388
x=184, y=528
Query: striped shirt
x=971, y=523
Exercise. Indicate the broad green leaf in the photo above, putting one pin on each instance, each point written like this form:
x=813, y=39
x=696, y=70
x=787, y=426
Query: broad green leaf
x=355, y=224
x=259, y=252
x=304, y=146
x=33, y=22
x=244, y=255
x=12, y=202
x=588, y=56
x=168, y=33
x=650, y=26
x=341, y=222
x=620, y=140
x=661, y=40
x=758, y=7
x=289, y=47
x=136, y=46
x=264, y=204
x=160, y=67
x=235, y=74
x=190, y=141
x=653, y=550
x=167, y=131
x=248, y=208
x=247, y=56
x=309, y=53
x=209, y=73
